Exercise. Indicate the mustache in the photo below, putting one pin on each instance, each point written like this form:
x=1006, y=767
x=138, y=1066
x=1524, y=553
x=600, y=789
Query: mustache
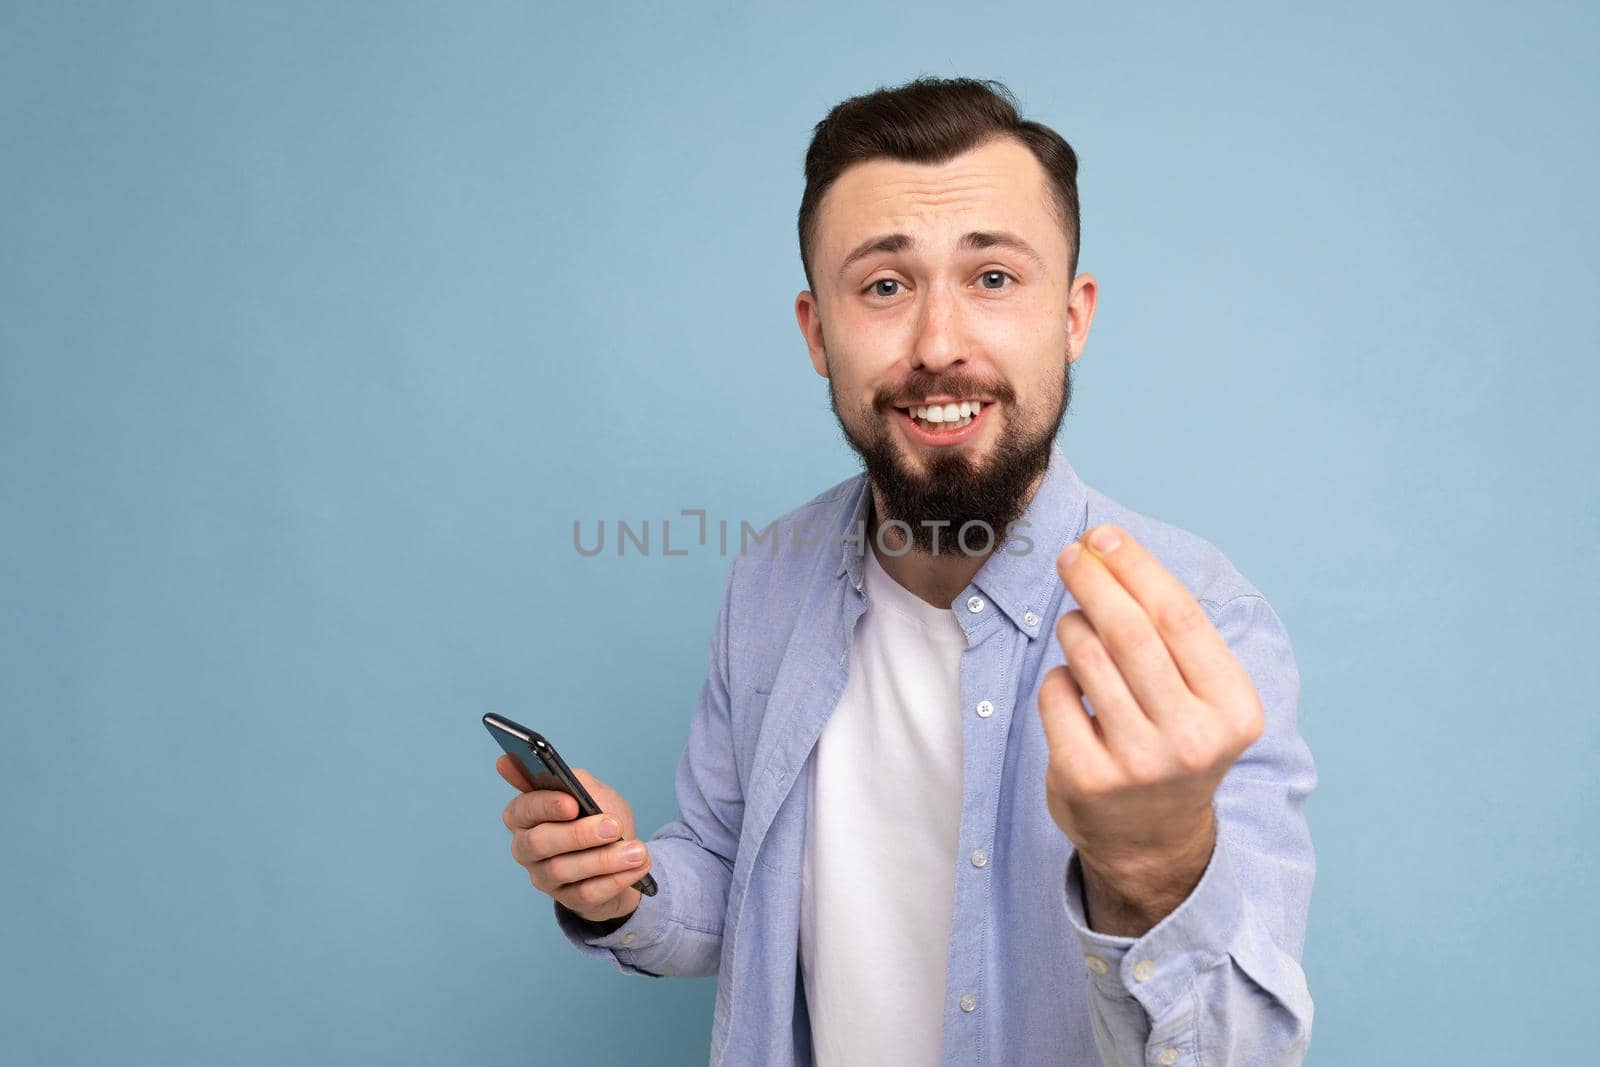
x=919, y=384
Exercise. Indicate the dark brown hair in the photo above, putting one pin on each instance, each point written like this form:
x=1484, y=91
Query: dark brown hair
x=930, y=120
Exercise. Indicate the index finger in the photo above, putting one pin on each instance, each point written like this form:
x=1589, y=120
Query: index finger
x=513, y=774
x=528, y=810
x=1203, y=657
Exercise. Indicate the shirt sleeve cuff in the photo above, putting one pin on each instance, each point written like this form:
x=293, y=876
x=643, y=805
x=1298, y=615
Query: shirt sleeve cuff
x=1157, y=968
x=638, y=946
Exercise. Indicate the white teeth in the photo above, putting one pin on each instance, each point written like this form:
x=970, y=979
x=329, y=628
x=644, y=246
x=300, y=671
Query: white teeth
x=942, y=423
x=952, y=414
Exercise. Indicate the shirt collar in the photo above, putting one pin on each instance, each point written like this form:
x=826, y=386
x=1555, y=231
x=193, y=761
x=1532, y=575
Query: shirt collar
x=1019, y=577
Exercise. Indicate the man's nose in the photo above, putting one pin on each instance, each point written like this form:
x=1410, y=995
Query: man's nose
x=939, y=341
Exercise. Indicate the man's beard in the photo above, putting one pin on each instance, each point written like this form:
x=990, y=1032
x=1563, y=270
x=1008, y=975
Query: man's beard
x=957, y=489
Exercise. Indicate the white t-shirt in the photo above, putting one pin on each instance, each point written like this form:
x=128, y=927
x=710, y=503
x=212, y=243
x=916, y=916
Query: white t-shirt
x=883, y=813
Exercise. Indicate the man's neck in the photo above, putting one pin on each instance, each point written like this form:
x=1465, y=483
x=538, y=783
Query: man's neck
x=935, y=578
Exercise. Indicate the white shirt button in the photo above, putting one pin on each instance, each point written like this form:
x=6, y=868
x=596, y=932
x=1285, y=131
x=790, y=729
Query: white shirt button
x=979, y=857
x=974, y=604
x=1096, y=964
x=1143, y=970
x=985, y=709
x=1030, y=619
x=627, y=938
x=1168, y=1057
x=969, y=1002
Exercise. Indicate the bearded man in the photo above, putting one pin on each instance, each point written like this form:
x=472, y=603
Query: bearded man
x=998, y=771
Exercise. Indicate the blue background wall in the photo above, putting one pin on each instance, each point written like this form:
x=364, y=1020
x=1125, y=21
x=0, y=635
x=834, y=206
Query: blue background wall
x=320, y=324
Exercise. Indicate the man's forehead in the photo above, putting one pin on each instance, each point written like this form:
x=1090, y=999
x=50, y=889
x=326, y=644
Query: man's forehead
x=999, y=186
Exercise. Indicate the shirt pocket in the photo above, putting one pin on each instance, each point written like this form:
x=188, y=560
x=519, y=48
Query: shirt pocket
x=749, y=711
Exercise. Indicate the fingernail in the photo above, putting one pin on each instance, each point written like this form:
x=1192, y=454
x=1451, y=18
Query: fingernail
x=1104, y=539
x=633, y=853
x=1070, y=554
x=609, y=828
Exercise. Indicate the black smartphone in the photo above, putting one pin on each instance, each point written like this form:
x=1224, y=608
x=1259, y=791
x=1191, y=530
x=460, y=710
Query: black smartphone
x=529, y=749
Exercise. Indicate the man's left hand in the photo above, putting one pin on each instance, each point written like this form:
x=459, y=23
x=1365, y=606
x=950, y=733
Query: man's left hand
x=1132, y=785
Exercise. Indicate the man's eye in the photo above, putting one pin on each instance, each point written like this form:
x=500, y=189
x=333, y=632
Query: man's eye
x=887, y=287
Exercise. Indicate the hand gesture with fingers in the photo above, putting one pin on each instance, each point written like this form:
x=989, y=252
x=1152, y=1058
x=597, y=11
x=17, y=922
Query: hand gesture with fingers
x=1132, y=785
x=588, y=864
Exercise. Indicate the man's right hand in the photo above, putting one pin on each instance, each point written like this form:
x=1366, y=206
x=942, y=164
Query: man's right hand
x=573, y=859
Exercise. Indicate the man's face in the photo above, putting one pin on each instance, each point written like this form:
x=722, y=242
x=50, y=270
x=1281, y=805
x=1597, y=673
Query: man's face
x=938, y=285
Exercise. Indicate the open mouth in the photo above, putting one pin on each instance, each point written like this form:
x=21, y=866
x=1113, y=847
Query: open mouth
x=947, y=423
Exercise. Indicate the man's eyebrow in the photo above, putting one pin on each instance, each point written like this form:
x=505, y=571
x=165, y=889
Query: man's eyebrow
x=977, y=240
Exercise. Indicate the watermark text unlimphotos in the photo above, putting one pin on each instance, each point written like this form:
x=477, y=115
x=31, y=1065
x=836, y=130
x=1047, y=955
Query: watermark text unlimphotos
x=972, y=538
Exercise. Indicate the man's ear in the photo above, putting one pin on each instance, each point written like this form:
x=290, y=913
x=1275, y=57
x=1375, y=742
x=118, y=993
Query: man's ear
x=1081, y=299
x=809, y=316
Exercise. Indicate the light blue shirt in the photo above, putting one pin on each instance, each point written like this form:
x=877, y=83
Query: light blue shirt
x=1217, y=982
